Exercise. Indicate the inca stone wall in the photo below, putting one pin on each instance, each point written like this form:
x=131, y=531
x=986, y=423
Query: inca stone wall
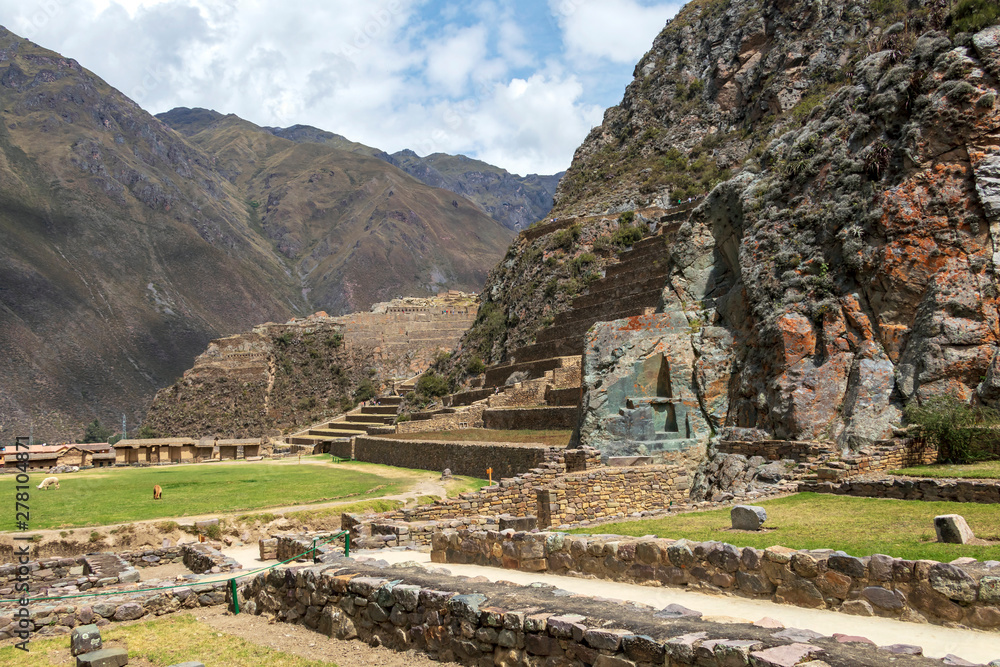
x=454, y=620
x=932, y=490
x=918, y=591
x=472, y=459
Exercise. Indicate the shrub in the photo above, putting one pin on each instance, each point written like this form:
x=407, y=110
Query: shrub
x=581, y=263
x=475, y=366
x=336, y=340
x=962, y=433
x=147, y=432
x=627, y=235
x=564, y=238
x=365, y=391
x=974, y=15
x=433, y=385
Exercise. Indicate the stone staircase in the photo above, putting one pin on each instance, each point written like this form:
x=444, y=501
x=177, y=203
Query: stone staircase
x=366, y=420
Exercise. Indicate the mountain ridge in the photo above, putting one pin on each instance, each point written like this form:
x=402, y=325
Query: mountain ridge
x=513, y=200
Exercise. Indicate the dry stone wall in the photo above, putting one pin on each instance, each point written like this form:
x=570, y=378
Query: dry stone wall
x=494, y=624
x=919, y=591
x=956, y=491
x=506, y=459
x=471, y=417
x=55, y=618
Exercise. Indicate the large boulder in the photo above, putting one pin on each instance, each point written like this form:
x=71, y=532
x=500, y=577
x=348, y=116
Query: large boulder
x=953, y=529
x=748, y=517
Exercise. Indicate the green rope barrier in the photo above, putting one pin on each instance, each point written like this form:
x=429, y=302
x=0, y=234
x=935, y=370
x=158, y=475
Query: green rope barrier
x=344, y=533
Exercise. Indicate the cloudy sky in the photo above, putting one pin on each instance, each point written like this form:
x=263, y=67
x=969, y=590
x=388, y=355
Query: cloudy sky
x=517, y=83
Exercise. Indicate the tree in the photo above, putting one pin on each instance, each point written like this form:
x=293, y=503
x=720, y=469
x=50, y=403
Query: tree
x=94, y=432
x=432, y=385
x=962, y=433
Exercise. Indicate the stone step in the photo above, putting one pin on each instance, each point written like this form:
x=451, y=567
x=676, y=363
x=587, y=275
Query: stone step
x=530, y=418
x=335, y=429
x=579, y=327
x=563, y=397
x=370, y=419
x=604, y=312
x=563, y=347
x=468, y=397
x=380, y=409
x=497, y=375
x=618, y=291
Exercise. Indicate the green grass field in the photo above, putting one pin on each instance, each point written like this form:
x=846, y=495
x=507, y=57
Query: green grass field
x=163, y=642
x=101, y=497
x=859, y=526
x=983, y=470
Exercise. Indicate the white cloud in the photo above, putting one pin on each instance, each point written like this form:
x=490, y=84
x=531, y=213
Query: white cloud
x=452, y=60
x=493, y=80
x=618, y=30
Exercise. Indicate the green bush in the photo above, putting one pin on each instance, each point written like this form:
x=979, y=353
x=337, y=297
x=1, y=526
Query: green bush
x=365, y=391
x=564, y=238
x=627, y=235
x=94, y=432
x=581, y=263
x=974, y=15
x=961, y=432
x=147, y=432
x=475, y=366
x=432, y=385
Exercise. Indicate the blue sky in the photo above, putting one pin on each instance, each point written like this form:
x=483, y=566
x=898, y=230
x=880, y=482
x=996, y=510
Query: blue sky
x=517, y=83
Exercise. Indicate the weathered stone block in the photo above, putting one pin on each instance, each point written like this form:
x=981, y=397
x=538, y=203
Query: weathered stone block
x=84, y=639
x=953, y=582
x=106, y=657
x=748, y=517
x=952, y=529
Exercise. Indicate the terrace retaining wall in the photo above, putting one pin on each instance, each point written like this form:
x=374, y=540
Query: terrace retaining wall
x=56, y=618
x=494, y=624
x=957, y=491
x=473, y=458
x=920, y=591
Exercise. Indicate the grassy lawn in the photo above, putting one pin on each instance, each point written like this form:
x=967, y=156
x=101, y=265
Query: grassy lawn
x=160, y=643
x=859, y=526
x=101, y=497
x=549, y=438
x=982, y=470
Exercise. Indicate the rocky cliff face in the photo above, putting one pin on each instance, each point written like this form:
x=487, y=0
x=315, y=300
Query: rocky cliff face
x=848, y=247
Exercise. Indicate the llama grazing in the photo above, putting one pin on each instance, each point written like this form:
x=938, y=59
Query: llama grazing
x=49, y=482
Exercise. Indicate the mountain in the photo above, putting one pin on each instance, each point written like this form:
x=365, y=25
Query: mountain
x=355, y=230
x=125, y=247
x=843, y=263
x=512, y=200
